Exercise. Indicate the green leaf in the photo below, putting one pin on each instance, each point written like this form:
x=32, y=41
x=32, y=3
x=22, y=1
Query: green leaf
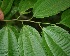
x=29, y=42
x=46, y=47
x=15, y=30
x=66, y=18
x=6, y=6
x=57, y=40
x=46, y=8
x=8, y=42
x=13, y=11
x=25, y=5
x=0, y=3
x=16, y=2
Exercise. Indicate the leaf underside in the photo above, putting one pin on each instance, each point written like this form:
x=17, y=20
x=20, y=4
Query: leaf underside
x=57, y=40
x=29, y=44
x=8, y=42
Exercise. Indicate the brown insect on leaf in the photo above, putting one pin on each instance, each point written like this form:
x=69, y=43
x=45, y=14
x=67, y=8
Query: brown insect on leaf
x=1, y=15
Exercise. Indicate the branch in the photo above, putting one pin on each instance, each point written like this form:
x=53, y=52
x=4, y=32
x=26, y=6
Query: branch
x=26, y=21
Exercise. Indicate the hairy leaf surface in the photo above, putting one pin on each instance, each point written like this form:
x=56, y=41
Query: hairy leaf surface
x=8, y=42
x=58, y=40
x=29, y=42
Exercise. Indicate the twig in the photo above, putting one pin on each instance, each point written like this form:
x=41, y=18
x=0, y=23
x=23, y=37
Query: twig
x=27, y=21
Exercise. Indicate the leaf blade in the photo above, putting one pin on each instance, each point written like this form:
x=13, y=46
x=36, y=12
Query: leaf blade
x=8, y=43
x=30, y=43
x=46, y=8
x=25, y=5
x=6, y=6
x=58, y=40
x=66, y=18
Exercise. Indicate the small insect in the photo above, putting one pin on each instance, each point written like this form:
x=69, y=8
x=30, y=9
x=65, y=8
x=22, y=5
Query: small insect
x=1, y=15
